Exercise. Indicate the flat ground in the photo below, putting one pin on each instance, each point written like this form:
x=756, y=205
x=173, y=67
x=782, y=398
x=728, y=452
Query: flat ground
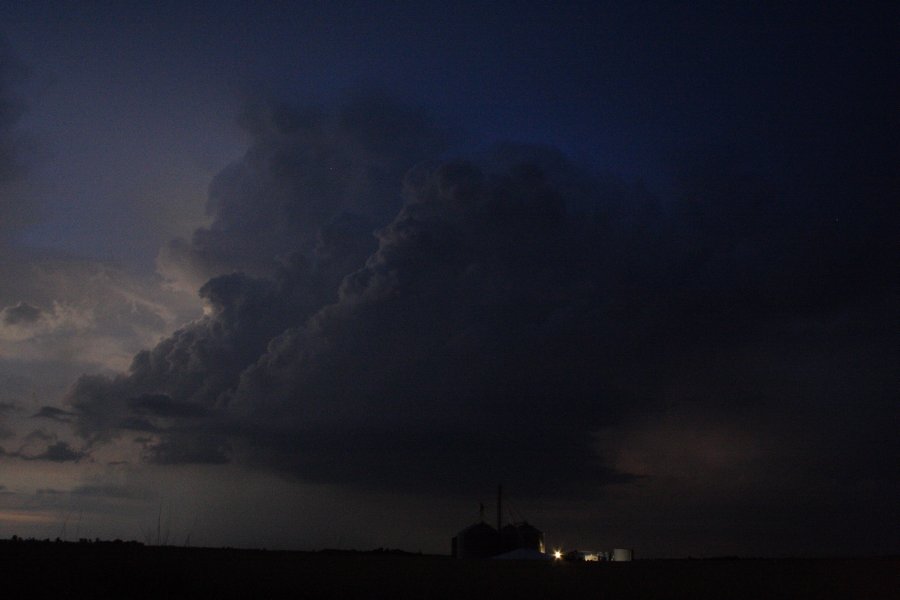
x=110, y=570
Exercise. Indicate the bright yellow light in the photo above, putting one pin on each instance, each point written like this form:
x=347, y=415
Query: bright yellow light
x=557, y=554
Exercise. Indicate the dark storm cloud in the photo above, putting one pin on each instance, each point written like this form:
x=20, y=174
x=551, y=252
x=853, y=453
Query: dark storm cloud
x=21, y=313
x=54, y=414
x=161, y=405
x=187, y=373
x=511, y=309
x=58, y=452
x=54, y=451
x=308, y=175
x=473, y=341
x=475, y=288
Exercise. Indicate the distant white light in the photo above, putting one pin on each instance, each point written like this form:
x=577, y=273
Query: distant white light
x=557, y=554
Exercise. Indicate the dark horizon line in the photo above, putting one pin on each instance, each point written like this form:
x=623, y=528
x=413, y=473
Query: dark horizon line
x=385, y=551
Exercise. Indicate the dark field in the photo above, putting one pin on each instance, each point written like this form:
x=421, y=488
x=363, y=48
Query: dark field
x=103, y=570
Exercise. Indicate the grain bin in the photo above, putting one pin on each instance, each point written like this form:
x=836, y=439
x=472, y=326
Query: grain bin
x=621, y=555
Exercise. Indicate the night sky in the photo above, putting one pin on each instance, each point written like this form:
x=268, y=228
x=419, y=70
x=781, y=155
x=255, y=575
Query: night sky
x=323, y=274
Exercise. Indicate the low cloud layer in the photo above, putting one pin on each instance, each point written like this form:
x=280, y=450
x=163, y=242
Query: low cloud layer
x=22, y=313
x=40, y=445
x=382, y=319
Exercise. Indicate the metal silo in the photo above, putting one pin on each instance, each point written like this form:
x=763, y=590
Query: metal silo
x=476, y=541
x=621, y=554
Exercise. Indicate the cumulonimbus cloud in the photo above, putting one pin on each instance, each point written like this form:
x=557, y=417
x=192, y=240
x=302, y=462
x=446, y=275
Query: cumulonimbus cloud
x=505, y=310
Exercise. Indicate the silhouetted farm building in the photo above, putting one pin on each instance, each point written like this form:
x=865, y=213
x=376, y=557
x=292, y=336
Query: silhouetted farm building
x=476, y=541
x=521, y=535
x=480, y=540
